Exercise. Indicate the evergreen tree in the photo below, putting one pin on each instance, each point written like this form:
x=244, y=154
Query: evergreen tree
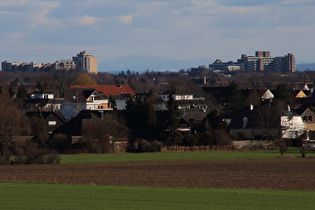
x=172, y=121
x=233, y=97
x=22, y=92
x=141, y=118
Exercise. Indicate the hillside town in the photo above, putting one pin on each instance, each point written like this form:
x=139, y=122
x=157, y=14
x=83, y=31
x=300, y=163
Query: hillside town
x=70, y=107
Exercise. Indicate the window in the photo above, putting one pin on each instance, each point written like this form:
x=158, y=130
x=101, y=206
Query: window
x=309, y=118
x=52, y=122
x=304, y=118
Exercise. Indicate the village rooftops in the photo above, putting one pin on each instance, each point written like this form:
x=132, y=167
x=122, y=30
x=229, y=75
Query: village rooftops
x=109, y=90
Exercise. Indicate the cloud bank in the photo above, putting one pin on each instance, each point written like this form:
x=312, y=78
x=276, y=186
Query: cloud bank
x=44, y=31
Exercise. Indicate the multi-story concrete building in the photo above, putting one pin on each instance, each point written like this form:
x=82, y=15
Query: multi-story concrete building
x=85, y=62
x=262, y=61
x=81, y=62
x=18, y=66
x=64, y=65
x=226, y=66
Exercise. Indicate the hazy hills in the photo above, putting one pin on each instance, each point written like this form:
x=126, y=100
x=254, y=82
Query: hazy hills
x=140, y=63
x=305, y=66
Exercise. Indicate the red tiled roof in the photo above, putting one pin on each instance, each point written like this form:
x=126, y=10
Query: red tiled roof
x=109, y=90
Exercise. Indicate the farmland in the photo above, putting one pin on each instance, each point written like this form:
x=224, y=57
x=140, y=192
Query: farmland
x=61, y=196
x=178, y=156
x=281, y=173
x=217, y=180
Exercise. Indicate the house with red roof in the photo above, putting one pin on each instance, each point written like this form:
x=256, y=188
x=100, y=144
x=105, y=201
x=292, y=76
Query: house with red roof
x=118, y=93
x=110, y=90
x=77, y=99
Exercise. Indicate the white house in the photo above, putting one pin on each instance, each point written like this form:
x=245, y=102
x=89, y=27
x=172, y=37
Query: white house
x=292, y=126
x=77, y=99
x=249, y=122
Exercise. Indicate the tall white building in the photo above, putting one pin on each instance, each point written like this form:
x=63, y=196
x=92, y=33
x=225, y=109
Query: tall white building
x=85, y=62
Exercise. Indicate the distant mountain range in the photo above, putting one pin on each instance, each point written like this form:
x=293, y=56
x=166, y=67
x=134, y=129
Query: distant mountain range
x=140, y=63
x=305, y=66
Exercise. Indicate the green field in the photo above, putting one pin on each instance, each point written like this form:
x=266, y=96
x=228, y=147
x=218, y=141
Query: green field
x=66, y=196
x=177, y=156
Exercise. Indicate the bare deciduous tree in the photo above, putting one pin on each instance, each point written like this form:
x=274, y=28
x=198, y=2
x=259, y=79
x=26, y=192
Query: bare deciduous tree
x=11, y=124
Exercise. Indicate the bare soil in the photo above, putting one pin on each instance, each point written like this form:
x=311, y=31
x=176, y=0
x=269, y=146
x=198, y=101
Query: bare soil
x=284, y=174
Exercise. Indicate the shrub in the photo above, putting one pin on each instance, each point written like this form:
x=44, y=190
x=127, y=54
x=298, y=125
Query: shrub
x=190, y=140
x=142, y=145
x=206, y=139
x=222, y=138
x=31, y=153
x=61, y=143
x=4, y=160
x=156, y=146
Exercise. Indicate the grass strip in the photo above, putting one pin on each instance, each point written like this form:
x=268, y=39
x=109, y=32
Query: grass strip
x=66, y=196
x=177, y=156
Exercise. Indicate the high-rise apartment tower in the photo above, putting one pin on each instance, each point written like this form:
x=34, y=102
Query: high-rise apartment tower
x=86, y=62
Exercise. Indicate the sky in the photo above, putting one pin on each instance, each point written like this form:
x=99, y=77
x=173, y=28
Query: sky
x=46, y=31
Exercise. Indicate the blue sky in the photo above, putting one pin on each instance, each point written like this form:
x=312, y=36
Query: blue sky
x=46, y=31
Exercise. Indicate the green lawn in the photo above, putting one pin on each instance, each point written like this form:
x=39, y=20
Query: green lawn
x=66, y=196
x=177, y=156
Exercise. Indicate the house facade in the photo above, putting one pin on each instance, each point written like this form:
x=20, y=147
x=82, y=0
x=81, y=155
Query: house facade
x=77, y=99
x=292, y=126
x=309, y=119
x=53, y=120
x=255, y=123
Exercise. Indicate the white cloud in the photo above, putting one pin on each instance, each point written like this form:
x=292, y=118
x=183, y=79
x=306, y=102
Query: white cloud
x=181, y=29
x=288, y=2
x=12, y=3
x=87, y=20
x=126, y=19
x=184, y=24
x=21, y=15
x=14, y=36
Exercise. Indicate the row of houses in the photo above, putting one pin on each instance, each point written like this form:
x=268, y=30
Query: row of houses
x=67, y=110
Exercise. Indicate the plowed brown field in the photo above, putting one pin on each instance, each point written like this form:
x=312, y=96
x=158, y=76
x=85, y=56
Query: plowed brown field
x=286, y=174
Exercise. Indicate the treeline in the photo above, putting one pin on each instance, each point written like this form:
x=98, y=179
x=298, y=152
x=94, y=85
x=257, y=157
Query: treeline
x=149, y=128
x=14, y=123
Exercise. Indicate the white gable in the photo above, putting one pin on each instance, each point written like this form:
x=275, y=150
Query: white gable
x=267, y=95
x=306, y=87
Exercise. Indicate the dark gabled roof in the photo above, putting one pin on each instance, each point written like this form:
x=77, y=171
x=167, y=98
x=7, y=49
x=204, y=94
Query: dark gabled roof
x=40, y=101
x=195, y=114
x=184, y=119
x=74, y=126
x=248, y=119
x=217, y=92
x=46, y=115
x=254, y=116
x=77, y=94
